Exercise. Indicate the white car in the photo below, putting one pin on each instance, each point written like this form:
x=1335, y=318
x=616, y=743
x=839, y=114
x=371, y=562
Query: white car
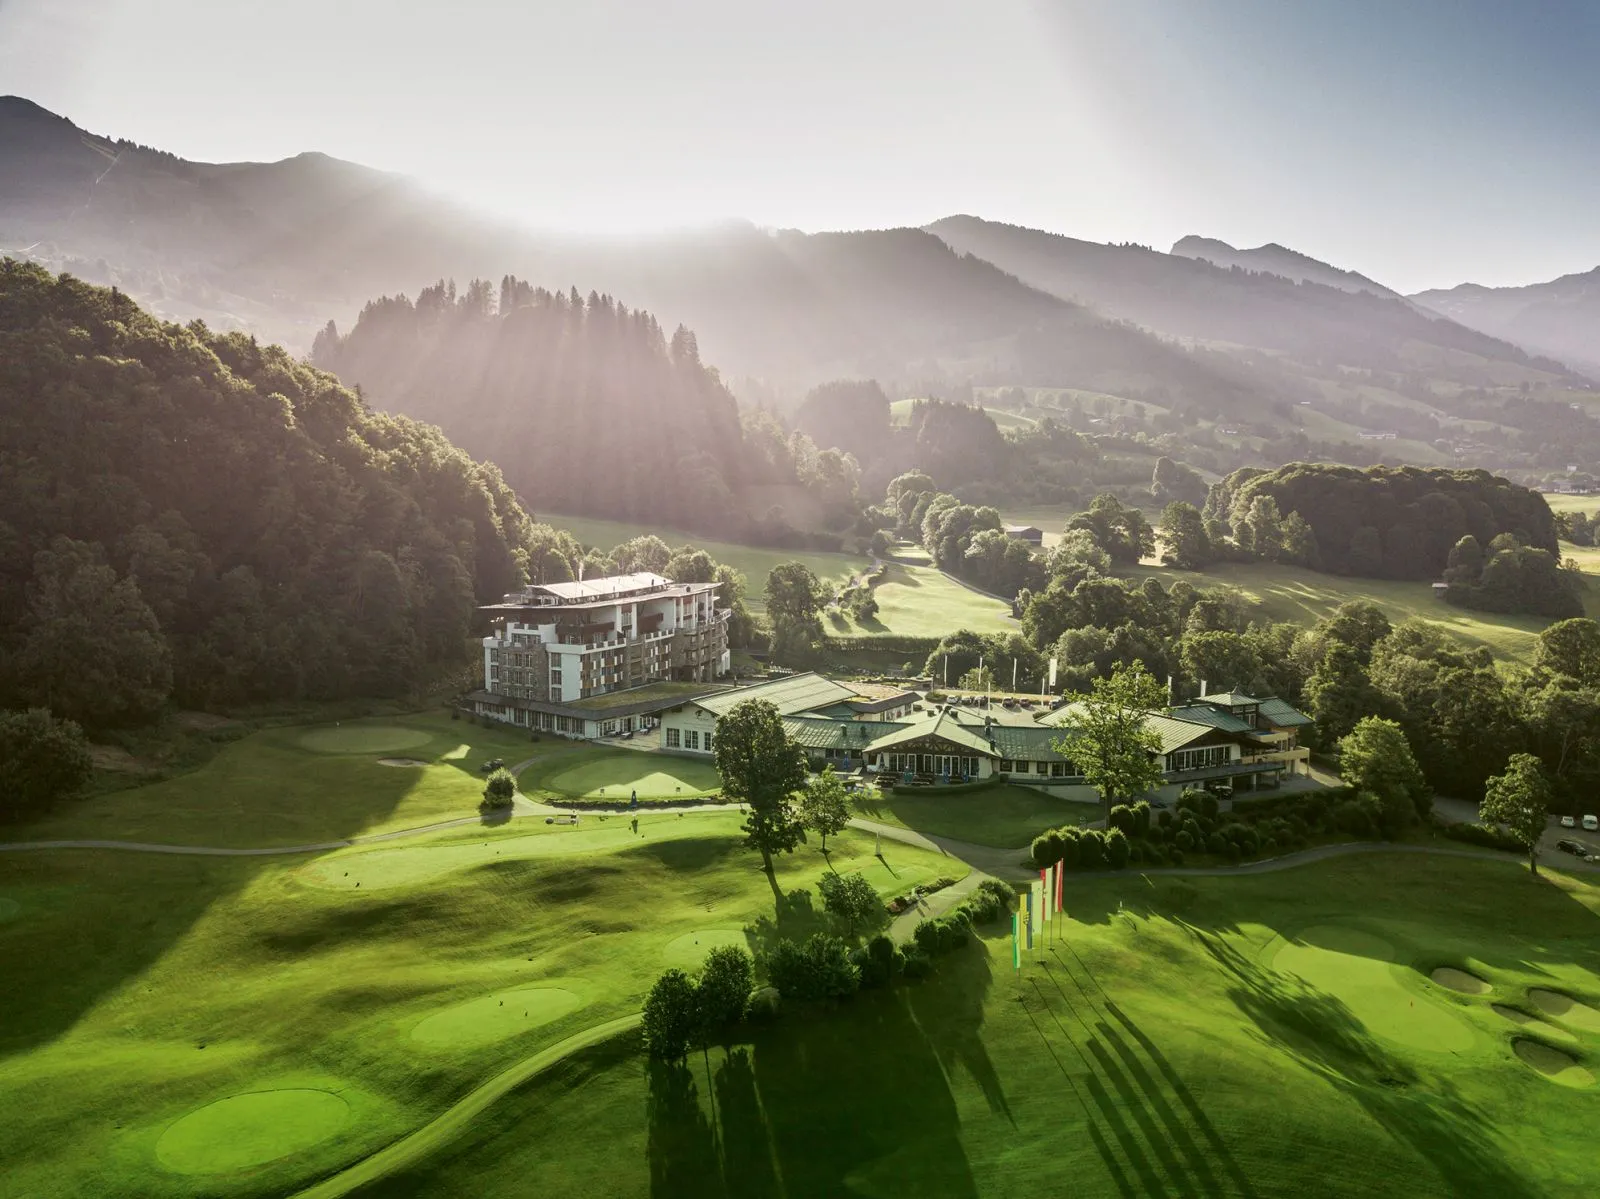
x=1591, y=823
x=1569, y=822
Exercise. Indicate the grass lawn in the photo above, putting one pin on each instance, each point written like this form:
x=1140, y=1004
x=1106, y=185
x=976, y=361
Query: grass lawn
x=617, y=773
x=1003, y=817
x=1253, y=1036
x=299, y=785
x=921, y=601
x=184, y=1026
x=1292, y=593
x=754, y=562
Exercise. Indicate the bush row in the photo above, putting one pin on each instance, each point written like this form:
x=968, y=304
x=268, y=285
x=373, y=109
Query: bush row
x=1486, y=835
x=681, y=1012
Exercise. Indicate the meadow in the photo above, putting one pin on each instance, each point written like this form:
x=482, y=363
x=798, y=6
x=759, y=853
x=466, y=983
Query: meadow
x=1379, y=1028
x=1291, y=593
x=244, y=1025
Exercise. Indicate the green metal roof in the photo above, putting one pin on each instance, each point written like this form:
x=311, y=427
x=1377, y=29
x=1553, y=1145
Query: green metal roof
x=1028, y=745
x=938, y=724
x=1175, y=732
x=817, y=732
x=1202, y=713
x=799, y=693
x=1229, y=699
x=1276, y=712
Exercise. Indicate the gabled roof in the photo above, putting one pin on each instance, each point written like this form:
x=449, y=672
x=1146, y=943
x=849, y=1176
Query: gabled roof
x=1276, y=712
x=1203, y=713
x=1027, y=745
x=793, y=695
x=1229, y=699
x=1174, y=731
x=939, y=724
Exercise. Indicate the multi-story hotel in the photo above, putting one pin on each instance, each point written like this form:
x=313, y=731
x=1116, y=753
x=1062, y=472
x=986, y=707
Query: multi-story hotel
x=562, y=656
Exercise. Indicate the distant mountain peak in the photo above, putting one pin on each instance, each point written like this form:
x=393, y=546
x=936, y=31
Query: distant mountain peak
x=1275, y=259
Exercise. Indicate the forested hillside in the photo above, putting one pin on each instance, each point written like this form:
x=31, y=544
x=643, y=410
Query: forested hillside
x=585, y=404
x=1561, y=317
x=199, y=517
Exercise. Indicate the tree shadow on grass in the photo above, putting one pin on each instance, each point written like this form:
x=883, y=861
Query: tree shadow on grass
x=795, y=917
x=1320, y=1032
x=950, y=1012
x=821, y=1104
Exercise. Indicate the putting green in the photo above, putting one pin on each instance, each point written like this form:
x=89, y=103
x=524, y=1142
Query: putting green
x=688, y=952
x=1565, y=1009
x=495, y=1017
x=9, y=909
x=653, y=776
x=1553, y=1064
x=1459, y=980
x=1531, y=1023
x=363, y=739
x=247, y=1130
x=380, y=869
x=1359, y=969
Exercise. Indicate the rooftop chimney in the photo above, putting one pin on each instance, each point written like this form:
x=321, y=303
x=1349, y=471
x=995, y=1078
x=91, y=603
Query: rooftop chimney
x=1202, y=688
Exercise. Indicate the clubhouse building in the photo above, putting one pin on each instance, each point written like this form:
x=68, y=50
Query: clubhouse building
x=600, y=656
x=1230, y=739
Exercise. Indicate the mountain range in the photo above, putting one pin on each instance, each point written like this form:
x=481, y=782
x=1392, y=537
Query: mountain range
x=280, y=248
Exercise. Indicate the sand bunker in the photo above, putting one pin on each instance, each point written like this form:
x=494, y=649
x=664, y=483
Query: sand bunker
x=1553, y=1064
x=247, y=1130
x=363, y=739
x=1359, y=970
x=1565, y=1009
x=688, y=952
x=1531, y=1023
x=495, y=1017
x=401, y=762
x=1459, y=980
x=10, y=909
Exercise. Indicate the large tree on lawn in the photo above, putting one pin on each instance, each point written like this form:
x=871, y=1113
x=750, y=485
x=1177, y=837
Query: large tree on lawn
x=824, y=805
x=1520, y=800
x=1108, y=740
x=763, y=767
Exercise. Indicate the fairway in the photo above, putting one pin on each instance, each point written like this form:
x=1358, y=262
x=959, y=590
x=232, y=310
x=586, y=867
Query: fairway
x=363, y=739
x=618, y=775
x=247, y=1130
x=920, y=601
x=688, y=951
x=1002, y=817
x=1169, y=1042
x=495, y=1017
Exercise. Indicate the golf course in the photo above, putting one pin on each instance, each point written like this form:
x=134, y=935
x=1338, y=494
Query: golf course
x=324, y=973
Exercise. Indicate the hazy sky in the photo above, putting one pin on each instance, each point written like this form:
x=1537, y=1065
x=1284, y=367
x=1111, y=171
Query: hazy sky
x=1423, y=142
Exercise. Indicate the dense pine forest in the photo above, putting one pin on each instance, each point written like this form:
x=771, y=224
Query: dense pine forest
x=196, y=517
x=587, y=405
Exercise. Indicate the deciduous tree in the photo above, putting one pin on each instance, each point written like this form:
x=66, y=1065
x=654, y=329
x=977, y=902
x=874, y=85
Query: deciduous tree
x=762, y=767
x=1109, y=738
x=1520, y=800
x=824, y=805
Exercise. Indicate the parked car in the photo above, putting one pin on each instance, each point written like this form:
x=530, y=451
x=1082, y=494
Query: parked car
x=1569, y=822
x=1591, y=823
x=1572, y=847
x=492, y=764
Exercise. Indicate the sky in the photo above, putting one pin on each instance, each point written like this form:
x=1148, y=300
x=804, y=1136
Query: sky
x=1421, y=142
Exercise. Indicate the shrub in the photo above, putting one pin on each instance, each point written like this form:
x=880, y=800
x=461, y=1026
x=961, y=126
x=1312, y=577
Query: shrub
x=723, y=991
x=1208, y=805
x=1117, y=849
x=1216, y=843
x=764, y=1004
x=1071, y=847
x=1004, y=897
x=1183, y=840
x=914, y=963
x=1176, y=856
x=1041, y=851
x=1121, y=818
x=1164, y=818
x=1141, y=819
x=818, y=968
x=670, y=1015
x=499, y=791
x=926, y=936
x=1487, y=835
x=1091, y=850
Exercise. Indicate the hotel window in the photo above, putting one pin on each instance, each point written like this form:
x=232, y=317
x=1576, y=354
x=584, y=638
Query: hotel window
x=708, y=743
x=694, y=738
x=672, y=738
x=1042, y=767
x=1005, y=766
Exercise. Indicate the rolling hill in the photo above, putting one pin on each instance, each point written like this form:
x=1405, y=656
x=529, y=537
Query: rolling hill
x=1560, y=318
x=1273, y=259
